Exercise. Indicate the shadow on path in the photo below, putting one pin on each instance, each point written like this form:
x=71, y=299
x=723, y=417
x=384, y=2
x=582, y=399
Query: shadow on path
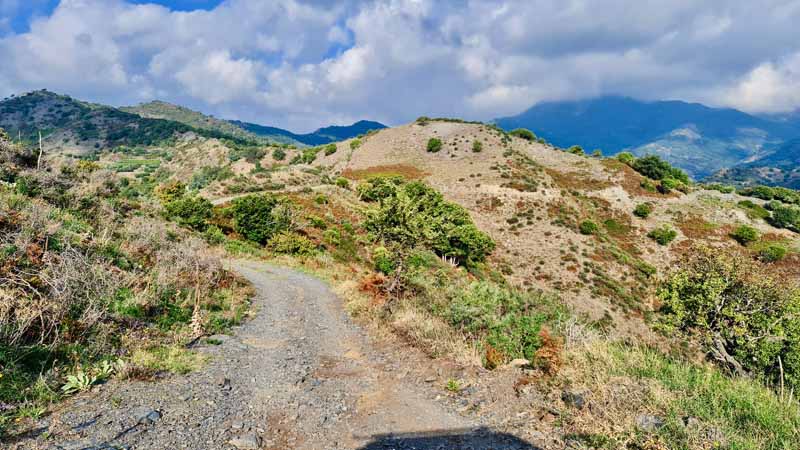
x=470, y=439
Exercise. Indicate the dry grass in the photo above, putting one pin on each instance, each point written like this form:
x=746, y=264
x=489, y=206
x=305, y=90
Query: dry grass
x=406, y=171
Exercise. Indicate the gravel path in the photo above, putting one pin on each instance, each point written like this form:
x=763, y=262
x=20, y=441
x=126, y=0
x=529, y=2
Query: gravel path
x=300, y=375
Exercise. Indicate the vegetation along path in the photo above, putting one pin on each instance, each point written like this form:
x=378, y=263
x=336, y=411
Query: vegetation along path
x=299, y=375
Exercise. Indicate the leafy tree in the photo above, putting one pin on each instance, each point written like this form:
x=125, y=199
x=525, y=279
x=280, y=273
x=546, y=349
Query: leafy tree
x=652, y=167
x=417, y=215
x=524, y=134
x=626, y=158
x=259, y=217
x=746, y=315
x=379, y=187
x=434, y=145
x=190, y=211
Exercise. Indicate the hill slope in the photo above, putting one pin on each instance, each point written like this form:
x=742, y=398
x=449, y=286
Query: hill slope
x=163, y=110
x=697, y=138
x=780, y=167
x=73, y=126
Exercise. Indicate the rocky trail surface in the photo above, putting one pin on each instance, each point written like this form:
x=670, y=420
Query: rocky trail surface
x=299, y=375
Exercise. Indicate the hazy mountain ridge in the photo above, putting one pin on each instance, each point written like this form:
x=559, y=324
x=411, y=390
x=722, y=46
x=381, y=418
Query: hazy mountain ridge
x=700, y=139
x=321, y=136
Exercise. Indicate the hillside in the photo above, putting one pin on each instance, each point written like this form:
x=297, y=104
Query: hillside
x=697, y=138
x=485, y=279
x=163, y=110
x=319, y=137
x=779, y=167
x=74, y=127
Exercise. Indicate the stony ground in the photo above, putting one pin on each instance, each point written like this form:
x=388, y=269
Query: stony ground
x=299, y=375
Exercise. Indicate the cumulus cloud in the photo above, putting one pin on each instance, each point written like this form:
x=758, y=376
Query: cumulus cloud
x=307, y=63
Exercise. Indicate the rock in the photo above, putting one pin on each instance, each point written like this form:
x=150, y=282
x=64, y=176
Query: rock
x=224, y=383
x=519, y=362
x=249, y=441
x=574, y=399
x=146, y=415
x=649, y=423
x=237, y=425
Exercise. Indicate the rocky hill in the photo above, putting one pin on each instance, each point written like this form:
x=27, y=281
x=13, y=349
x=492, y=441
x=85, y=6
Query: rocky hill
x=321, y=136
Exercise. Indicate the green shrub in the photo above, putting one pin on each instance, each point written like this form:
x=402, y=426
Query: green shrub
x=355, y=144
x=524, y=134
x=379, y=187
x=343, y=182
x=477, y=146
x=588, y=227
x=383, y=260
x=786, y=217
x=643, y=210
x=576, y=150
x=434, y=145
x=723, y=188
x=747, y=316
x=291, y=243
x=213, y=235
x=753, y=210
x=667, y=185
x=626, y=158
x=330, y=149
x=663, y=235
x=655, y=168
x=772, y=253
x=317, y=222
x=189, y=211
x=597, y=153
x=745, y=234
x=423, y=121
x=259, y=217
x=278, y=154
x=416, y=214
x=648, y=185
x=509, y=321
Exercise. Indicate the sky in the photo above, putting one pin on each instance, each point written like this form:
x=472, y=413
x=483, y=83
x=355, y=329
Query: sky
x=303, y=64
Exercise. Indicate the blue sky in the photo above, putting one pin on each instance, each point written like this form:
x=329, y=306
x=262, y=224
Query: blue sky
x=302, y=64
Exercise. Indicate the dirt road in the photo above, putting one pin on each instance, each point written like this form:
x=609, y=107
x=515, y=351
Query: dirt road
x=300, y=375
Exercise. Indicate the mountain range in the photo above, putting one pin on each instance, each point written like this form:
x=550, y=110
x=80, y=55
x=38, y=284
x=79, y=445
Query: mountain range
x=700, y=139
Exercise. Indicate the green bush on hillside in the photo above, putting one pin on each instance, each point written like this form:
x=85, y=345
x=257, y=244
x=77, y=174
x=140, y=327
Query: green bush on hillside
x=259, y=217
x=524, y=134
x=477, y=146
x=191, y=211
x=379, y=187
x=663, y=235
x=786, y=217
x=746, y=315
x=291, y=243
x=745, y=234
x=626, y=158
x=655, y=168
x=772, y=253
x=415, y=214
x=279, y=154
x=576, y=150
x=588, y=227
x=434, y=145
x=643, y=210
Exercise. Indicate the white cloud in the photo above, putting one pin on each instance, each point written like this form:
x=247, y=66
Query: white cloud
x=306, y=63
x=770, y=87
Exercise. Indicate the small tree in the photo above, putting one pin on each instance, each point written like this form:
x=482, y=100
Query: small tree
x=434, y=145
x=576, y=150
x=278, y=154
x=259, y=217
x=477, y=146
x=626, y=158
x=588, y=227
x=330, y=149
x=524, y=134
